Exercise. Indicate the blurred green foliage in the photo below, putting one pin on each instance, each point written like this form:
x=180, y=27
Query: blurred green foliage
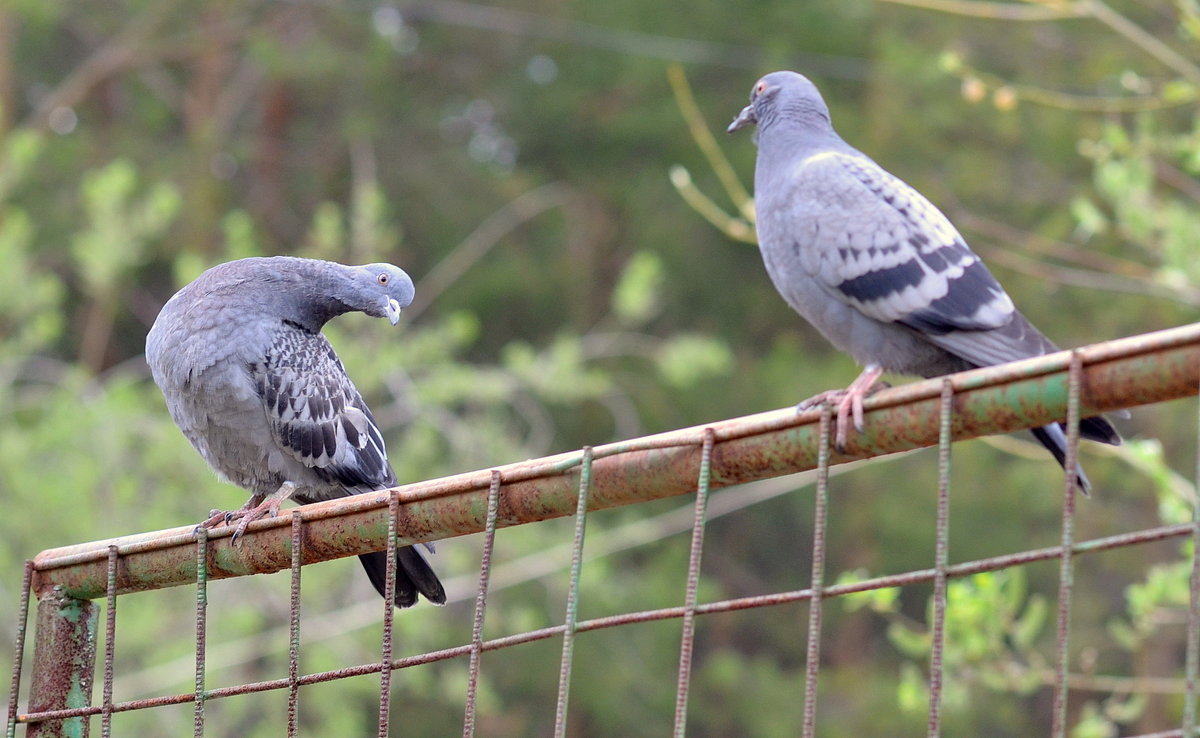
x=551, y=190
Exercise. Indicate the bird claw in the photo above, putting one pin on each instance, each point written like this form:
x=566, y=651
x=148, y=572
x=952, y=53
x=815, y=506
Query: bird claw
x=847, y=404
x=817, y=401
x=218, y=518
x=267, y=507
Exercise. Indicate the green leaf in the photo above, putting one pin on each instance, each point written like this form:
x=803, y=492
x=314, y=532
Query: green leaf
x=118, y=225
x=327, y=237
x=1089, y=218
x=1124, y=635
x=22, y=149
x=877, y=600
x=635, y=300
x=909, y=642
x=911, y=693
x=30, y=299
x=1093, y=724
x=1028, y=625
x=688, y=358
x=240, y=240
x=1178, y=91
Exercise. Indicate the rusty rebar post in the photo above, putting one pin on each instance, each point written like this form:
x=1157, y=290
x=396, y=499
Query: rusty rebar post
x=572, y=616
x=14, y=687
x=389, y=615
x=812, y=661
x=294, y=626
x=941, y=557
x=202, y=552
x=691, y=590
x=110, y=643
x=1192, y=650
x=64, y=663
x=485, y=575
x=1066, y=568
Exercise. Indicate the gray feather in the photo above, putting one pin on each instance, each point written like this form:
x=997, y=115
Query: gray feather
x=261, y=394
x=868, y=260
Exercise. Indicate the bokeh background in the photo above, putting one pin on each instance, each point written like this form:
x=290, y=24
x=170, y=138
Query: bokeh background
x=583, y=275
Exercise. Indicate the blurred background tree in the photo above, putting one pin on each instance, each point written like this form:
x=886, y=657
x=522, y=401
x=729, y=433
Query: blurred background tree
x=536, y=168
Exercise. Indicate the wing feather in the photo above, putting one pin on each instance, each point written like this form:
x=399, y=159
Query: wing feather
x=884, y=249
x=317, y=415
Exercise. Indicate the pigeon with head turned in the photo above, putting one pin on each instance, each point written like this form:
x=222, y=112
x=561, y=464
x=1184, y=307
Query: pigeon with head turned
x=260, y=393
x=873, y=265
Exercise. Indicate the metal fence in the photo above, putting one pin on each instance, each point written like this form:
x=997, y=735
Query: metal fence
x=1068, y=385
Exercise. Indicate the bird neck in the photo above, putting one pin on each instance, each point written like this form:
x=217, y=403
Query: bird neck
x=320, y=294
x=797, y=137
x=805, y=113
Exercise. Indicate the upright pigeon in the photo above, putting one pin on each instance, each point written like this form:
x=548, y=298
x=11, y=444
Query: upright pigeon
x=260, y=393
x=872, y=264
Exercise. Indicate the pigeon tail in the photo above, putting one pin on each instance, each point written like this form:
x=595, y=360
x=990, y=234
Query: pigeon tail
x=413, y=576
x=1054, y=439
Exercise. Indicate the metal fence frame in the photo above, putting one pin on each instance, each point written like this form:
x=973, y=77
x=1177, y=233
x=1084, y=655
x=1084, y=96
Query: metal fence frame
x=1068, y=385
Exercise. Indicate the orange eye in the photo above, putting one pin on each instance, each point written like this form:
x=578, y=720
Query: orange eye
x=382, y=278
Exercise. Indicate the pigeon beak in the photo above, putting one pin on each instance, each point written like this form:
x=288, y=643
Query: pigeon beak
x=743, y=119
x=392, y=312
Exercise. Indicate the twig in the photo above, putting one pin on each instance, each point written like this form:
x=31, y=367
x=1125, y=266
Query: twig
x=1095, y=9
x=1096, y=103
x=731, y=226
x=482, y=239
x=704, y=139
x=1142, y=38
x=119, y=52
x=1070, y=101
x=1089, y=278
x=1181, y=181
x=997, y=11
x=1082, y=256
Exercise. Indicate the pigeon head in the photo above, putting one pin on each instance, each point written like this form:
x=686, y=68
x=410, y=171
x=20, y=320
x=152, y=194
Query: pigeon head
x=380, y=290
x=313, y=292
x=784, y=97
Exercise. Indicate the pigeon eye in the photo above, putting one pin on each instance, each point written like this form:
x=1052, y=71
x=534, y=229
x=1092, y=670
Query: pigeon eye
x=760, y=88
x=382, y=279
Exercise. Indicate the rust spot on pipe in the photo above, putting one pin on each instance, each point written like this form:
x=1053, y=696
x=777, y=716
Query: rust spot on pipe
x=64, y=663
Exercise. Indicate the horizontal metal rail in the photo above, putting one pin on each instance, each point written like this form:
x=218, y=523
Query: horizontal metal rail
x=920, y=576
x=1133, y=371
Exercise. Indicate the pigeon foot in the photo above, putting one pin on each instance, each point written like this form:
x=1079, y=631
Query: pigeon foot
x=254, y=509
x=848, y=403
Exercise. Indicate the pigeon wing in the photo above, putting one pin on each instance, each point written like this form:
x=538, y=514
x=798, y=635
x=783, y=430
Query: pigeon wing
x=318, y=417
x=881, y=247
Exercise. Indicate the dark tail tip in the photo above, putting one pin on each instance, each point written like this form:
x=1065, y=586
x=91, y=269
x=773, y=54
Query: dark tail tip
x=414, y=576
x=1099, y=429
x=1052, y=437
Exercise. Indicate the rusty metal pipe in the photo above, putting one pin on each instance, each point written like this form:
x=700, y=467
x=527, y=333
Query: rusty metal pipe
x=64, y=663
x=1123, y=373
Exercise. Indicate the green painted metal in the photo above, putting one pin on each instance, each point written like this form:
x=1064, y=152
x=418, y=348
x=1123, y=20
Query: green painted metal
x=64, y=663
x=1139, y=370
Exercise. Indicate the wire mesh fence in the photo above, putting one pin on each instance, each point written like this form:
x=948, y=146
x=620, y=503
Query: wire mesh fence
x=67, y=582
